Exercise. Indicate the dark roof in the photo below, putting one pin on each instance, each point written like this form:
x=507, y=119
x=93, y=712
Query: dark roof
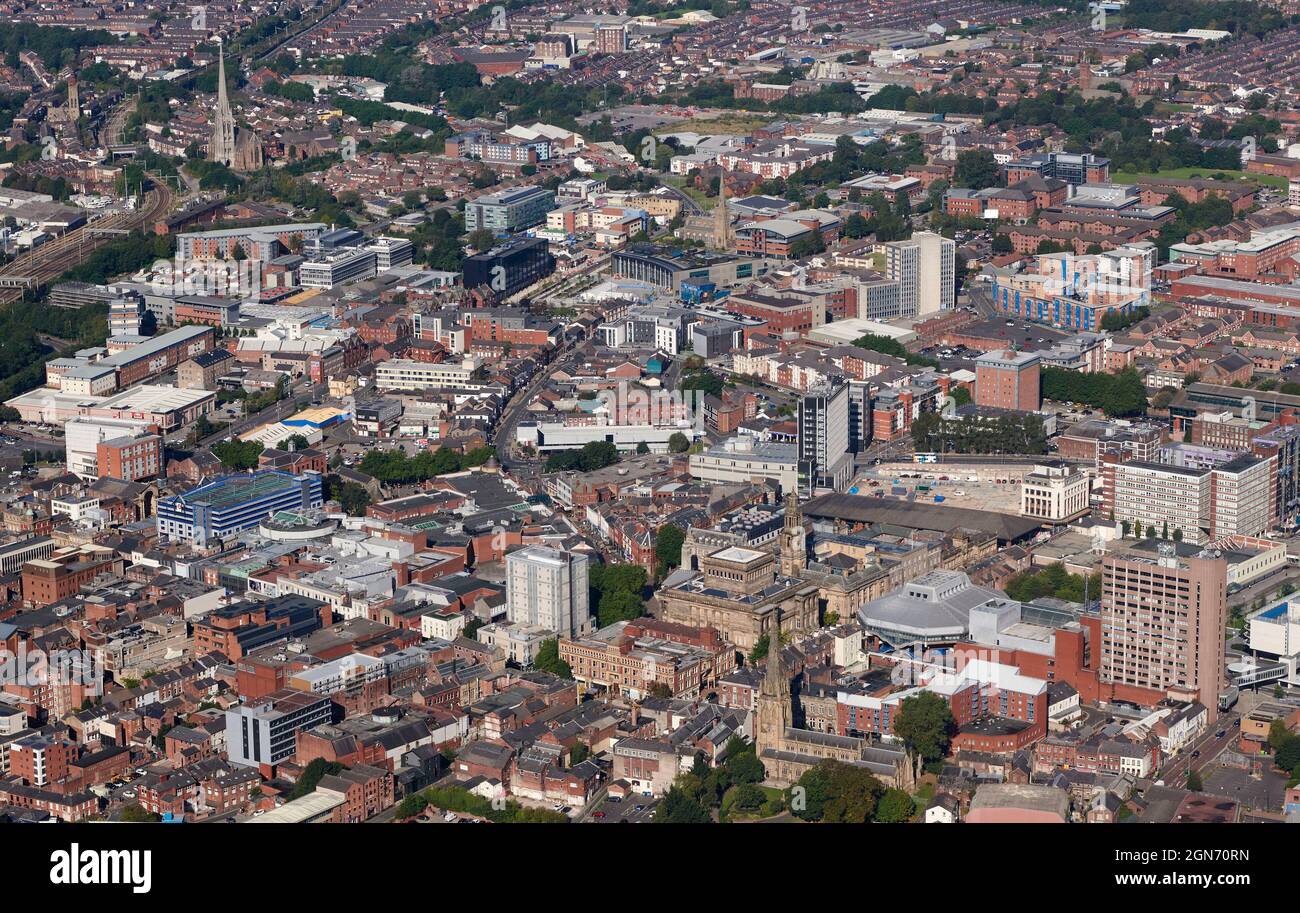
x=919, y=515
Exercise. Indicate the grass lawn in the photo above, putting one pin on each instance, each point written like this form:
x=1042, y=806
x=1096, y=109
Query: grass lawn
x=683, y=184
x=1271, y=180
x=774, y=806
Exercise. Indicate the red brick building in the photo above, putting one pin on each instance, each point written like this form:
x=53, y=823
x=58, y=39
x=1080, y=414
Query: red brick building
x=1006, y=379
x=130, y=459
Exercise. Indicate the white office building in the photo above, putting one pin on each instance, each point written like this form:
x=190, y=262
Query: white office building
x=405, y=374
x=742, y=460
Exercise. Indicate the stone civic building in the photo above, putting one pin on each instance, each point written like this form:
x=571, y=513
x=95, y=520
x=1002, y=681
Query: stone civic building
x=745, y=593
x=842, y=583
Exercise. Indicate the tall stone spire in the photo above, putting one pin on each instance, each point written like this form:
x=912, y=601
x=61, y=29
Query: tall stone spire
x=723, y=239
x=221, y=147
x=775, y=710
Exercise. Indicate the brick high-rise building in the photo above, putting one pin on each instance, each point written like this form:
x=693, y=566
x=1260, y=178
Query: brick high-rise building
x=1162, y=623
x=1009, y=380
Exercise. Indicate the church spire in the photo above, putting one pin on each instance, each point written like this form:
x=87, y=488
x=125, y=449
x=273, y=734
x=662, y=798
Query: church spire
x=775, y=706
x=221, y=147
x=775, y=681
x=723, y=239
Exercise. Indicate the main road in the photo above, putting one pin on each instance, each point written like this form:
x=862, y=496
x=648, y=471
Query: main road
x=1208, y=746
x=503, y=436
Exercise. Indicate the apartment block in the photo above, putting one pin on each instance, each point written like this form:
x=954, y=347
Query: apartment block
x=547, y=587
x=1162, y=623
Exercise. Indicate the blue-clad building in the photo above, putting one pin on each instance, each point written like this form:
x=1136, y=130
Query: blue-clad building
x=228, y=505
x=1078, y=292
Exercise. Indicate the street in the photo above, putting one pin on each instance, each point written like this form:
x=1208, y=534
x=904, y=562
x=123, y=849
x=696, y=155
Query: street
x=1206, y=747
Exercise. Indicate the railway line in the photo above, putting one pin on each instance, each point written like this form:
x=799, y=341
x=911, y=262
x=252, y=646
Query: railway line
x=49, y=261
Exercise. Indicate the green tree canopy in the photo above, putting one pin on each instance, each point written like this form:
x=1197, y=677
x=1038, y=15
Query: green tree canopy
x=548, y=659
x=895, y=807
x=926, y=725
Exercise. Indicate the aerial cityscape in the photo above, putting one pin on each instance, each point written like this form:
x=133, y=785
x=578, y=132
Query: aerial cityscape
x=659, y=411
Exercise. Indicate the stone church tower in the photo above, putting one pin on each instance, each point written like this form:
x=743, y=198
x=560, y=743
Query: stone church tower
x=775, y=711
x=794, y=539
x=723, y=238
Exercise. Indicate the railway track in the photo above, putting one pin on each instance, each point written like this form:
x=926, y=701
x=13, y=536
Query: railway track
x=52, y=259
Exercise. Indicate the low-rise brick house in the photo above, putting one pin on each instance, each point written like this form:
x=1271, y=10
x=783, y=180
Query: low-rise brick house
x=226, y=790
x=366, y=792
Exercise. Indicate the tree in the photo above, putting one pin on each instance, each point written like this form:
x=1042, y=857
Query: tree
x=352, y=497
x=678, y=442
x=761, y=646
x=1194, y=783
x=668, y=546
x=548, y=659
x=700, y=765
x=135, y=814
x=835, y=792
x=411, y=806
x=679, y=807
x=977, y=169
x=605, y=578
x=1288, y=755
x=237, y=455
x=887, y=346
x=642, y=448
x=745, y=767
x=618, y=605
x=703, y=380
x=1118, y=395
x=311, y=775
x=926, y=725
x=593, y=455
x=895, y=807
